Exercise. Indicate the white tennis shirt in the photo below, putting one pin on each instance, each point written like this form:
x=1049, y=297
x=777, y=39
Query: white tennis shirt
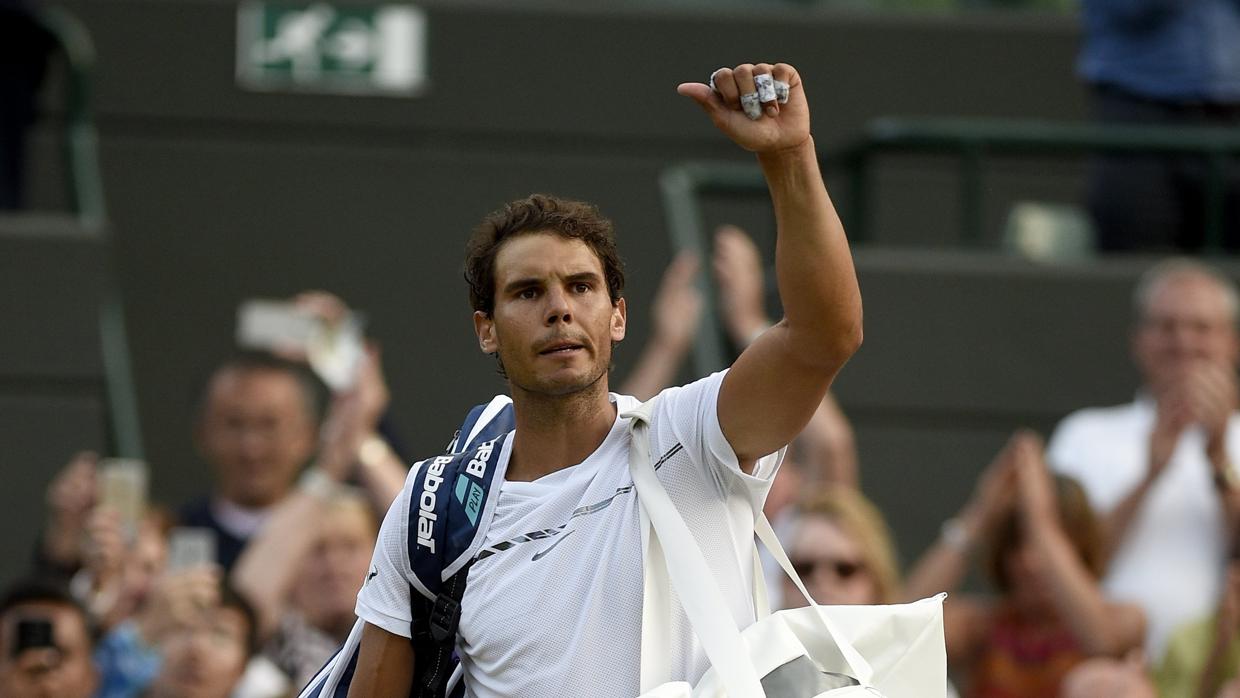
x=562, y=615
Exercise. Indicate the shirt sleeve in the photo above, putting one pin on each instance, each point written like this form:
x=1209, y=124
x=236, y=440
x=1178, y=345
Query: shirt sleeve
x=384, y=600
x=691, y=412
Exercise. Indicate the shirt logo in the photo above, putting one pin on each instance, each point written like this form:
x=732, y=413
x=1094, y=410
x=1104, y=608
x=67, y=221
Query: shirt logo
x=539, y=555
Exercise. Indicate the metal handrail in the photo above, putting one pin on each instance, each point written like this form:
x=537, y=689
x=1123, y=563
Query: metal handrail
x=84, y=183
x=683, y=184
x=973, y=139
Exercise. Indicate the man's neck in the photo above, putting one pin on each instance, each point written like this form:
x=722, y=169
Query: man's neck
x=554, y=432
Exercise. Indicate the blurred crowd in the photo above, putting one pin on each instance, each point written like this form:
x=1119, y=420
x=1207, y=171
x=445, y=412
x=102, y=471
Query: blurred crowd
x=1111, y=554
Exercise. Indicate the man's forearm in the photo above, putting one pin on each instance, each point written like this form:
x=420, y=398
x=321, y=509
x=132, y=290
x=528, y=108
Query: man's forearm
x=814, y=268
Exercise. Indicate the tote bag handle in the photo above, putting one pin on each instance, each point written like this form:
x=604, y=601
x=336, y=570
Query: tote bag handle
x=691, y=576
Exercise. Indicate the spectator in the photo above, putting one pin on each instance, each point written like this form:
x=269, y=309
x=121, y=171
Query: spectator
x=1159, y=63
x=45, y=644
x=117, y=575
x=842, y=550
x=1044, y=558
x=306, y=608
x=1159, y=468
x=258, y=427
x=131, y=654
x=206, y=654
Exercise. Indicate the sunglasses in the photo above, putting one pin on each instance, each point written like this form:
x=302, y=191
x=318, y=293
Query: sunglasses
x=843, y=569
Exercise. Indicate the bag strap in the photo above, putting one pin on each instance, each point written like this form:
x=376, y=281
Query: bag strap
x=690, y=575
x=862, y=671
x=435, y=640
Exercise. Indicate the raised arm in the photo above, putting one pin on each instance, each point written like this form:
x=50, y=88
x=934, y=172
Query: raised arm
x=780, y=379
x=1101, y=627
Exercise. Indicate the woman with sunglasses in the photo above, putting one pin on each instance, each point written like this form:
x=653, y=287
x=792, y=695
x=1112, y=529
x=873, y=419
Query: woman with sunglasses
x=1044, y=557
x=841, y=548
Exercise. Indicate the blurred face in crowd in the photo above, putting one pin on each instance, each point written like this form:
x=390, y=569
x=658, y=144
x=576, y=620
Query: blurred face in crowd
x=1106, y=677
x=1025, y=570
x=553, y=323
x=63, y=671
x=326, y=590
x=1186, y=318
x=146, y=560
x=142, y=564
x=257, y=432
x=204, y=659
x=831, y=563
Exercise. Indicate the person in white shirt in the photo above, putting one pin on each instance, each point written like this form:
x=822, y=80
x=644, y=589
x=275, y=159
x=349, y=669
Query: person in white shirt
x=1161, y=469
x=553, y=602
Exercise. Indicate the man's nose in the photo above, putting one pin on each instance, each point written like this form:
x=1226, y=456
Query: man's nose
x=558, y=309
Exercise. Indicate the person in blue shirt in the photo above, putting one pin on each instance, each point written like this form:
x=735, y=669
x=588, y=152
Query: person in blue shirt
x=1161, y=62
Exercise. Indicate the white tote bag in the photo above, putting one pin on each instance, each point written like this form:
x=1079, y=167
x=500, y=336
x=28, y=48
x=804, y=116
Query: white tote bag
x=894, y=651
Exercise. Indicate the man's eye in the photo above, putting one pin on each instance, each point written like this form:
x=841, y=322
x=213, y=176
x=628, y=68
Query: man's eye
x=581, y=287
x=527, y=293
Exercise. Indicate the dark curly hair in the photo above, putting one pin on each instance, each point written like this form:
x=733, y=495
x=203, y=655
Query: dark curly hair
x=539, y=213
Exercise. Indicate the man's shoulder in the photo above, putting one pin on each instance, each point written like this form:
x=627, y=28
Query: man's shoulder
x=1100, y=417
x=1075, y=442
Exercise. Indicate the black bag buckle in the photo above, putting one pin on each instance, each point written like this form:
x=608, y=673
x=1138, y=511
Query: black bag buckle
x=445, y=618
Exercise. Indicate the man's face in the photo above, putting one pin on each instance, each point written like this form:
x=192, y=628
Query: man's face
x=553, y=323
x=1186, y=320
x=257, y=432
x=63, y=671
x=204, y=659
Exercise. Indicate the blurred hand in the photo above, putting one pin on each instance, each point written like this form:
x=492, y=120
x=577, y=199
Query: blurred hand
x=1035, y=484
x=678, y=303
x=70, y=498
x=1205, y=393
x=994, y=493
x=71, y=494
x=354, y=416
x=738, y=272
x=104, y=548
x=178, y=599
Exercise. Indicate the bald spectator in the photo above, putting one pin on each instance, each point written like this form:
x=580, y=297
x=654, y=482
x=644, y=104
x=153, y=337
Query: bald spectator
x=45, y=644
x=1160, y=468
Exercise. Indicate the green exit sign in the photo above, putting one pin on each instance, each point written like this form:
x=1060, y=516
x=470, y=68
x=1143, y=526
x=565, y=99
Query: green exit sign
x=323, y=47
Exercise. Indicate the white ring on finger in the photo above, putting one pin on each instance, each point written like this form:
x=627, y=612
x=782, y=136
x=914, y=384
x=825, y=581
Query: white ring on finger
x=711, y=81
x=766, y=87
x=781, y=91
x=751, y=105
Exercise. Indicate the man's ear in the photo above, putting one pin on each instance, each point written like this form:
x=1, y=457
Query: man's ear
x=619, y=320
x=484, y=327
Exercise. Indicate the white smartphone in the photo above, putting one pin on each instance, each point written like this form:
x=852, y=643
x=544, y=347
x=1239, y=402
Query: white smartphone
x=333, y=350
x=190, y=546
x=276, y=326
x=123, y=486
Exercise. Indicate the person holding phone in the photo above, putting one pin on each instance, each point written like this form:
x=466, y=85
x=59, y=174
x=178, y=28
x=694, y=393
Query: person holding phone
x=45, y=644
